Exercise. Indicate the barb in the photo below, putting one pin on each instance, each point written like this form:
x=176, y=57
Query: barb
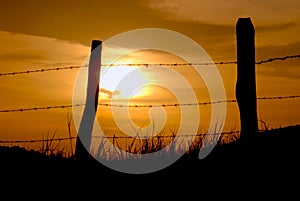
x=147, y=65
x=144, y=106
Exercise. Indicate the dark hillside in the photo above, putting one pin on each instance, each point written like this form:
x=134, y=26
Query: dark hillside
x=275, y=150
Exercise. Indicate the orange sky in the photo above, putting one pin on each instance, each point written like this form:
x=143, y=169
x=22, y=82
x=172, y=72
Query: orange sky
x=47, y=34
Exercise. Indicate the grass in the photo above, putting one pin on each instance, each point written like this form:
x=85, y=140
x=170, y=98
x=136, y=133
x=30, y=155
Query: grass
x=273, y=148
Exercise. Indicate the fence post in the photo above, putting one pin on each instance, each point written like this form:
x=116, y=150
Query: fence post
x=84, y=136
x=246, y=84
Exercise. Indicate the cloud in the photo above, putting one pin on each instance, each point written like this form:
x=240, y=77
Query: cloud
x=276, y=27
x=25, y=56
x=109, y=94
x=79, y=21
x=26, y=49
x=289, y=73
x=20, y=52
x=287, y=68
x=220, y=12
x=277, y=50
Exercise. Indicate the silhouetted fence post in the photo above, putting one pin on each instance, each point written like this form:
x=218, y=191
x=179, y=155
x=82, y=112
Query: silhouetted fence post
x=84, y=137
x=246, y=83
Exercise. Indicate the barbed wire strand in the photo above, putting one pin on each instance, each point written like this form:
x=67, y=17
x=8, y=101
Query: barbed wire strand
x=147, y=65
x=114, y=137
x=297, y=56
x=143, y=106
x=118, y=137
x=43, y=70
x=42, y=108
x=37, y=140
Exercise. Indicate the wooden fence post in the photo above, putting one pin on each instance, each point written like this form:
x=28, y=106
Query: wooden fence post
x=246, y=84
x=84, y=137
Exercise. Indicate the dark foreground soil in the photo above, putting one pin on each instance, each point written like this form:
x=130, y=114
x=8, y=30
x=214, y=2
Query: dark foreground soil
x=273, y=157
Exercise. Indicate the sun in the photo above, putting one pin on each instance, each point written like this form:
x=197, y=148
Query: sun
x=123, y=82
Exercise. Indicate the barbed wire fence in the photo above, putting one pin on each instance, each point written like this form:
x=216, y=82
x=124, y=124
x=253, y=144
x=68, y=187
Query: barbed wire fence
x=50, y=107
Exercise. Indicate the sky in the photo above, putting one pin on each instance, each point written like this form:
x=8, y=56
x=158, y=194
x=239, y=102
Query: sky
x=49, y=34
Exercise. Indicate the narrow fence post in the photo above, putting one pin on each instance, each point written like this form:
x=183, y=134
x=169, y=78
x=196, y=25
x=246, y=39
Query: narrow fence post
x=246, y=83
x=84, y=136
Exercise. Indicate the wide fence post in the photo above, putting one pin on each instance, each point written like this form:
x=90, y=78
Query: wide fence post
x=84, y=136
x=246, y=83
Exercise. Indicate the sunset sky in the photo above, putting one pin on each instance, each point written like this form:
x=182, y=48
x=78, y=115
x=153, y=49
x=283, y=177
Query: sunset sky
x=49, y=34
